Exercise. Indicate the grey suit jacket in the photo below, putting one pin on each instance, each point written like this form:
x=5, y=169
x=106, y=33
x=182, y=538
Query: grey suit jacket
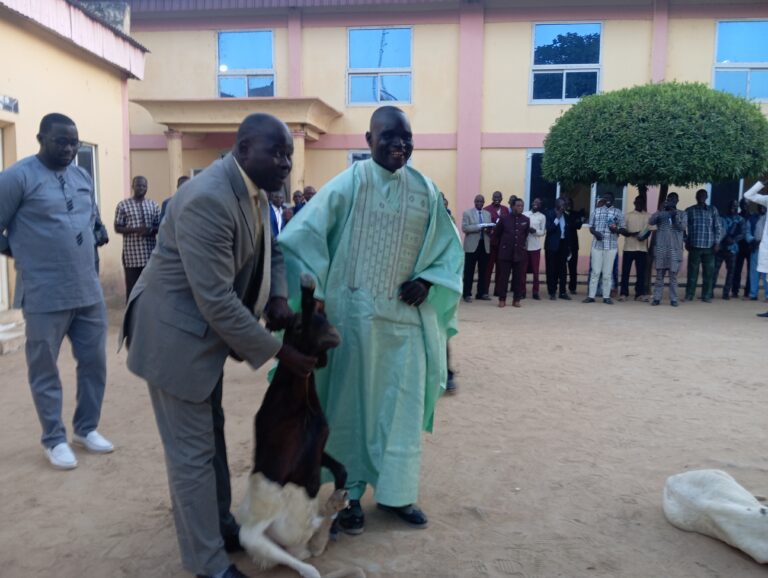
x=193, y=302
x=470, y=226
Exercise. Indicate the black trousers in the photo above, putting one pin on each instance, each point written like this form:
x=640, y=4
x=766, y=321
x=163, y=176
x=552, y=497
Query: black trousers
x=639, y=259
x=131, y=276
x=480, y=259
x=730, y=260
x=557, y=269
x=573, y=269
x=742, y=257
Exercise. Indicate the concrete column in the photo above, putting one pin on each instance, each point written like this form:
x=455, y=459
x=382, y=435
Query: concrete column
x=297, y=173
x=294, y=53
x=175, y=158
x=660, y=45
x=470, y=104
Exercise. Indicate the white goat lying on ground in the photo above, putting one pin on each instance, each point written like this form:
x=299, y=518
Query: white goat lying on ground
x=712, y=503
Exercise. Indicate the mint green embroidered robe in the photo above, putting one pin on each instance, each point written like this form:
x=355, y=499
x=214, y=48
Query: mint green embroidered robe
x=361, y=236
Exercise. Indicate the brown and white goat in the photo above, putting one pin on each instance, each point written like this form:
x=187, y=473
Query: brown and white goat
x=281, y=521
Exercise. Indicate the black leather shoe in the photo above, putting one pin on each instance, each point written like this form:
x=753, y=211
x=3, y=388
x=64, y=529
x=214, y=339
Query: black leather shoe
x=483, y=297
x=763, y=314
x=352, y=519
x=565, y=296
x=410, y=514
x=232, y=572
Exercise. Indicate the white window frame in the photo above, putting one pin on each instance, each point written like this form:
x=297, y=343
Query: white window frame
x=95, y=177
x=564, y=68
x=747, y=67
x=528, y=162
x=379, y=72
x=246, y=72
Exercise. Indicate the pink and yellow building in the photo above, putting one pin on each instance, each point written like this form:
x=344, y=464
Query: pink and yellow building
x=482, y=81
x=56, y=57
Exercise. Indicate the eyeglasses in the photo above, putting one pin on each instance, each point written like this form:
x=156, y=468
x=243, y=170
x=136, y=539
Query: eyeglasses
x=62, y=142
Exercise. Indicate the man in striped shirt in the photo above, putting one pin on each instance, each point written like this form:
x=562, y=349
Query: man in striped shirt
x=703, y=234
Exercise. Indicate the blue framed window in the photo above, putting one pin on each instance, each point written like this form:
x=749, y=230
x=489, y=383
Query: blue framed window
x=379, y=65
x=245, y=64
x=566, y=62
x=741, y=59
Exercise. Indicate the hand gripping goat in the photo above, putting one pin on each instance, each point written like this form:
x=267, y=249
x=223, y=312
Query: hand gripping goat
x=281, y=520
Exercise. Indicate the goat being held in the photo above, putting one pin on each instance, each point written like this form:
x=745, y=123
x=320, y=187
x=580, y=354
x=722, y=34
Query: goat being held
x=281, y=522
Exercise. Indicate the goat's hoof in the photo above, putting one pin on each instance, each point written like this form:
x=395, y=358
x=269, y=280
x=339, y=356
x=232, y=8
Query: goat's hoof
x=338, y=500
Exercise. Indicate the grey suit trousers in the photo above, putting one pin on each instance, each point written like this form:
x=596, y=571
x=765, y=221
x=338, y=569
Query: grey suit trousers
x=86, y=328
x=198, y=477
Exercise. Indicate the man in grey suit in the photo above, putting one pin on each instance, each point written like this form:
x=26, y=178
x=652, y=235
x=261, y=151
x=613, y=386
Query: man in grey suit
x=215, y=268
x=476, y=224
x=47, y=217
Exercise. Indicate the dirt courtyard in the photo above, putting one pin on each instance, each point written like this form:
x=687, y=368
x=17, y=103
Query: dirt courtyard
x=549, y=462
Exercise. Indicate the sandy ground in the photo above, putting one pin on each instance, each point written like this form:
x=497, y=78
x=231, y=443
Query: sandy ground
x=550, y=462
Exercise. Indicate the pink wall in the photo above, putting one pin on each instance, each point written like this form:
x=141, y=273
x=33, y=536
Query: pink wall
x=470, y=104
x=659, y=46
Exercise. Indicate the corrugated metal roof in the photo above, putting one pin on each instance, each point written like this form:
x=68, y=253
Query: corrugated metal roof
x=143, y=6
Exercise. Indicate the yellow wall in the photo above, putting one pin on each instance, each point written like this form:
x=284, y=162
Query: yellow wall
x=52, y=77
x=626, y=49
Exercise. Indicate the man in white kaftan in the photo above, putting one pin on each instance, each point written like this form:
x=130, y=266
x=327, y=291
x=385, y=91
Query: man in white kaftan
x=388, y=260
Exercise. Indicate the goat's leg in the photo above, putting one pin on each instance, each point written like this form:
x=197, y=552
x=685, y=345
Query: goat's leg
x=262, y=548
x=338, y=470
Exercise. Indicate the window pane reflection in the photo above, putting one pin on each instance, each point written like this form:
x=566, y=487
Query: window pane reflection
x=261, y=86
x=245, y=50
x=567, y=44
x=395, y=87
x=742, y=41
x=548, y=86
x=380, y=48
x=758, y=84
x=578, y=84
x=733, y=81
x=232, y=86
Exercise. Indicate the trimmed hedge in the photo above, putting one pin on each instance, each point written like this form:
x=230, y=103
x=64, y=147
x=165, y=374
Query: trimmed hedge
x=658, y=134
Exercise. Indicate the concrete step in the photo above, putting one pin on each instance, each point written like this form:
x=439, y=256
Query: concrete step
x=11, y=331
x=11, y=316
x=11, y=339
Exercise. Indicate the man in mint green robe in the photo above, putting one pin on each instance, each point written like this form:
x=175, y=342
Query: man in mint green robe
x=388, y=260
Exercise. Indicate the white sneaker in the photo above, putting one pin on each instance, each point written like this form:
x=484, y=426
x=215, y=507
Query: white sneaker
x=94, y=442
x=61, y=457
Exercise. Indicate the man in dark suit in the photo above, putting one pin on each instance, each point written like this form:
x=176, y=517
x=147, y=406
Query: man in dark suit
x=512, y=232
x=574, y=220
x=276, y=217
x=557, y=249
x=216, y=267
x=497, y=211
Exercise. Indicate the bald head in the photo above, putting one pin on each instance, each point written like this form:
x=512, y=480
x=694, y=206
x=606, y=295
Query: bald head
x=264, y=150
x=390, y=138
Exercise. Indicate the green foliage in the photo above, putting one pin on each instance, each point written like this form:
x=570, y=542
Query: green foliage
x=658, y=134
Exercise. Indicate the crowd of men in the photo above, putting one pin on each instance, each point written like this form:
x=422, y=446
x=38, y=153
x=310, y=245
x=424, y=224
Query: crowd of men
x=204, y=270
x=509, y=240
